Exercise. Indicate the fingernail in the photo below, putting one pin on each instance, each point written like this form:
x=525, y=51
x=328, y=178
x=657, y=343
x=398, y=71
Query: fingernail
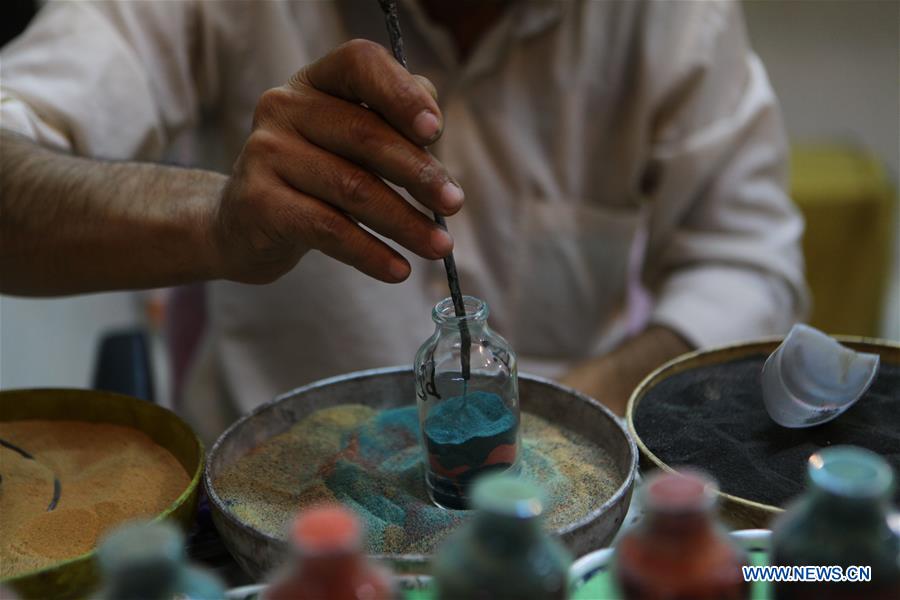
x=426, y=125
x=441, y=242
x=398, y=270
x=451, y=196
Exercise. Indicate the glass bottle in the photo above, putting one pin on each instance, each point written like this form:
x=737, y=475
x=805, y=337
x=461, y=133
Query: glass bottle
x=503, y=551
x=841, y=520
x=679, y=550
x=328, y=561
x=468, y=425
x=147, y=560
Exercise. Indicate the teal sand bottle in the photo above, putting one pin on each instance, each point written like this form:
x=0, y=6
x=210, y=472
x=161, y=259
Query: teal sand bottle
x=503, y=551
x=469, y=426
x=841, y=520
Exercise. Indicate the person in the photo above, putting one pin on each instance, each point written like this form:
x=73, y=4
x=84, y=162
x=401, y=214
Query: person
x=623, y=165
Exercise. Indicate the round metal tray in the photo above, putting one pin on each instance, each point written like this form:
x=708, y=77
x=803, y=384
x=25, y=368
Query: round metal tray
x=258, y=553
x=77, y=576
x=738, y=512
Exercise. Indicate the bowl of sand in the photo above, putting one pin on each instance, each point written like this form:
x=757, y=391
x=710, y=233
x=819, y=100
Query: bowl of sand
x=706, y=408
x=353, y=439
x=74, y=465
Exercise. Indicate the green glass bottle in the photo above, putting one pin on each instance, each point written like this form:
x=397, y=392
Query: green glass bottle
x=148, y=561
x=503, y=551
x=841, y=520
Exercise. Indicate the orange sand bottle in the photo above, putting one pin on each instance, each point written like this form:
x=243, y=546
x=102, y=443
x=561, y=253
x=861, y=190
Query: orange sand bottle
x=328, y=561
x=679, y=550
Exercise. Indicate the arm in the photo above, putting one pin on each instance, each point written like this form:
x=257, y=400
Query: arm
x=612, y=377
x=311, y=174
x=723, y=257
x=308, y=176
x=70, y=224
x=723, y=260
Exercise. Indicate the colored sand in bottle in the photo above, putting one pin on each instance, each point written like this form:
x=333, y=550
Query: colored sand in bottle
x=465, y=437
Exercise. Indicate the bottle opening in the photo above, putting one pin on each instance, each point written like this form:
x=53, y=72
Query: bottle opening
x=850, y=472
x=445, y=313
x=681, y=493
x=326, y=530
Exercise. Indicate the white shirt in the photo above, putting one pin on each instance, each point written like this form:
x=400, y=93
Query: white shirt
x=623, y=162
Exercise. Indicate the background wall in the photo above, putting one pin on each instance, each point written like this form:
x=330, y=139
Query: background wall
x=834, y=64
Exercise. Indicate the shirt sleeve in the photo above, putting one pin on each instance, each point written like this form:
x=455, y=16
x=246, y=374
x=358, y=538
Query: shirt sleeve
x=723, y=256
x=107, y=79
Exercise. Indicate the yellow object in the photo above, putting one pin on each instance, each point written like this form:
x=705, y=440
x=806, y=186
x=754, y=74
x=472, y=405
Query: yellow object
x=848, y=202
x=78, y=577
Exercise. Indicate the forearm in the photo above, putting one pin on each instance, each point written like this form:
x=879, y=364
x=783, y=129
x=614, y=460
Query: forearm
x=71, y=225
x=612, y=377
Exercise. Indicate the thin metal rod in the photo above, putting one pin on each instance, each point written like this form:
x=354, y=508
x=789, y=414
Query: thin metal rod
x=389, y=7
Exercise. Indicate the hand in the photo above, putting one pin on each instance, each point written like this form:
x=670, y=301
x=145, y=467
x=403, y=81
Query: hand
x=598, y=378
x=310, y=173
x=613, y=377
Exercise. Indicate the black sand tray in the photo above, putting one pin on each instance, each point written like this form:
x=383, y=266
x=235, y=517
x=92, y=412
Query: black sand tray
x=713, y=417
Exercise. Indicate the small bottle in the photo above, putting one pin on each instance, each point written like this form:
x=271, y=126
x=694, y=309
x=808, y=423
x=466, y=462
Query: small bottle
x=504, y=551
x=841, y=520
x=468, y=398
x=679, y=550
x=147, y=561
x=328, y=561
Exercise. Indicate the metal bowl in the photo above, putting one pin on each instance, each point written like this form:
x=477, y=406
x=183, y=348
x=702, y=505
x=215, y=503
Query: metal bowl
x=258, y=553
x=738, y=512
x=77, y=576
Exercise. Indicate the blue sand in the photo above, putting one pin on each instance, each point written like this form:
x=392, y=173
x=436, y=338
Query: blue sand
x=475, y=415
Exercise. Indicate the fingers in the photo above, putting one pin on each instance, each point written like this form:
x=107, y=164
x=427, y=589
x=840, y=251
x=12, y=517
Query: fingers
x=362, y=71
x=360, y=194
x=361, y=136
x=334, y=233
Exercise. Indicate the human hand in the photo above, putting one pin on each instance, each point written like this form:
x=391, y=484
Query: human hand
x=612, y=378
x=310, y=173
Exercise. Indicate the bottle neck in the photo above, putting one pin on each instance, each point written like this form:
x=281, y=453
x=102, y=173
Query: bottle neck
x=861, y=512
x=513, y=533
x=453, y=326
x=328, y=565
x=680, y=527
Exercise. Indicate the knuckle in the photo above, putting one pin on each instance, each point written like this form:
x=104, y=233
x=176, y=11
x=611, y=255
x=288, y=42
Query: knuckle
x=426, y=170
x=355, y=186
x=263, y=143
x=272, y=103
x=410, y=94
x=364, y=51
x=330, y=227
x=363, y=129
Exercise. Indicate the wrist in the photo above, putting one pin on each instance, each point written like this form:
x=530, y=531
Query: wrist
x=208, y=233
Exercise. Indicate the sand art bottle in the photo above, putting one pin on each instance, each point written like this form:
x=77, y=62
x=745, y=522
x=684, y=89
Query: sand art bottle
x=679, y=550
x=328, y=561
x=147, y=560
x=841, y=520
x=469, y=426
x=503, y=551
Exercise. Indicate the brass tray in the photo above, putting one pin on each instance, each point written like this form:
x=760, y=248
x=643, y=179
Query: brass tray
x=77, y=576
x=737, y=512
